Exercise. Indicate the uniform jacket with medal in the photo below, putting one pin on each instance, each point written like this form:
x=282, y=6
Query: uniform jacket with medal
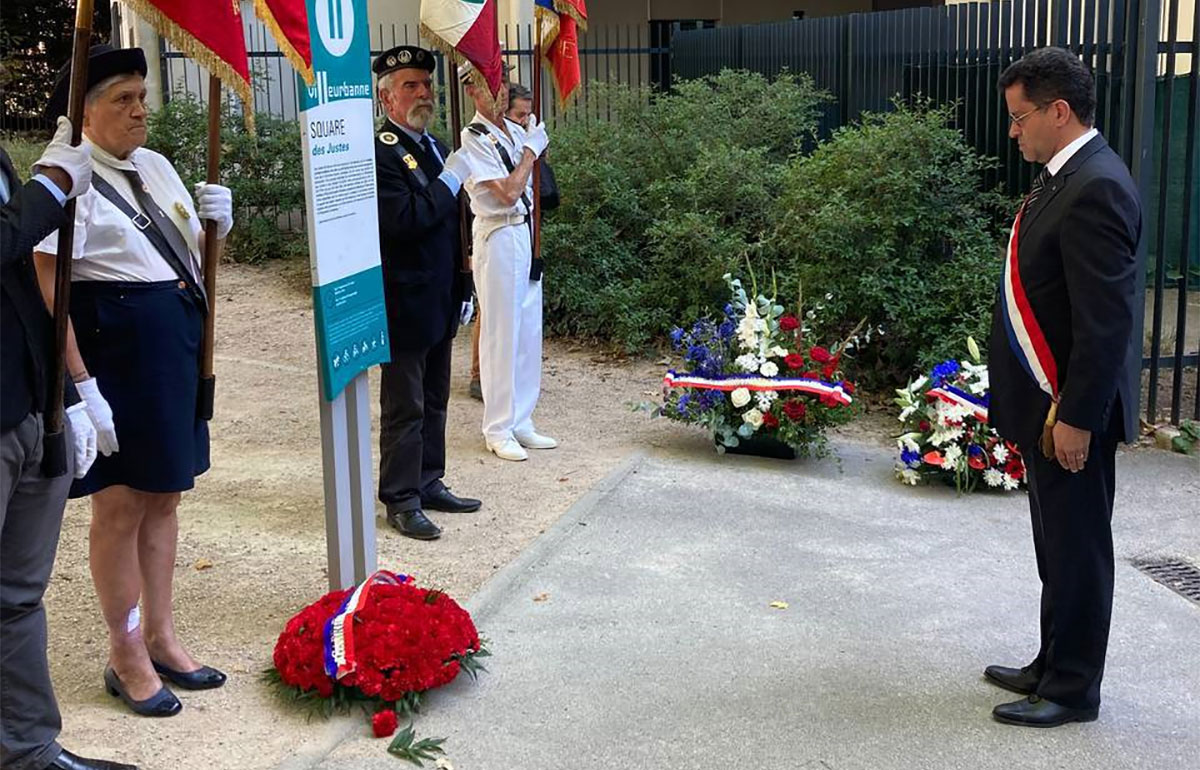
x=1077, y=260
x=419, y=242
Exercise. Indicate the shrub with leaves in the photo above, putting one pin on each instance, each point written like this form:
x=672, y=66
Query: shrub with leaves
x=666, y=197
x=265, y=172
x=890, y=216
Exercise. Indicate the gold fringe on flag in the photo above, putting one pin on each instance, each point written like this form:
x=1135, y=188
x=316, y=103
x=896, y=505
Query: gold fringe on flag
x=183, y=40
x=263, y=11
x=454, y=57
x=564, y=7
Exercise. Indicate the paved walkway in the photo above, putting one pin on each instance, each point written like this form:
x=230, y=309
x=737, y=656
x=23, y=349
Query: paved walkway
x=638, y=633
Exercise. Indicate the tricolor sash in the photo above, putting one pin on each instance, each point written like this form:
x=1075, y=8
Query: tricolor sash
x=751, y=382
x=952, y=395
x=340, y=658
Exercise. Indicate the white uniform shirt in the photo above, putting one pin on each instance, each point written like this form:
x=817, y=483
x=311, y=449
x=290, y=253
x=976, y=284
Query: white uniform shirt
x=484, y=158
x=108, y=246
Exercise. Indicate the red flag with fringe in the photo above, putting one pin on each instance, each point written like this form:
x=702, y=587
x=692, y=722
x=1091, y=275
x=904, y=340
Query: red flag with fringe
x=210, y=33
x=288, y=22
x=562, y=20
x=466, y=31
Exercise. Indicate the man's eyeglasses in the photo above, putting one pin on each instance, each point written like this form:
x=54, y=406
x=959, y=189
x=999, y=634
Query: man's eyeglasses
x=1017, y=119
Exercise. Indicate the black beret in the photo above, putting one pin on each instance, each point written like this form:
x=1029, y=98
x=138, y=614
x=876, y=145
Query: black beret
x=104, y=61
x=403, y=57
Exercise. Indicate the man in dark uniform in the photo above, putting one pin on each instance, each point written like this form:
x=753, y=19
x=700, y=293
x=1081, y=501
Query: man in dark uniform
x=32, y=500
x=426, y=291
x=1064, y=358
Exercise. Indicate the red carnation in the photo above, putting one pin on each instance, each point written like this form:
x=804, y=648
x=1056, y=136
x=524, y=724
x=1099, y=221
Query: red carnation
x=794, y=361
x=811, y=376
x=923, y=426
x=795, y=410
x=820, y=355
x=788, y=323
x=384, y=723
x=848, y=387
x=770, y=421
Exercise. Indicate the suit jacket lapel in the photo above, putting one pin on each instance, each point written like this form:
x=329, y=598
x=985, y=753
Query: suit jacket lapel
x=1059, y=181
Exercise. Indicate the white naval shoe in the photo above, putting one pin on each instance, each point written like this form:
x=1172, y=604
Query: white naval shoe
x=508, y=449
x=535, y=440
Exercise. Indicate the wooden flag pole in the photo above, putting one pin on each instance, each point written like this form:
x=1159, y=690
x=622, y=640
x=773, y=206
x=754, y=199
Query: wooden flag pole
x=212, y=254
x=537, y=164
x=54, y=452
x=456, y=142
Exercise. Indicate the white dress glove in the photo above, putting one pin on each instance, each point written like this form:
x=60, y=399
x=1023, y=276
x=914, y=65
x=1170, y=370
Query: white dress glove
x=76, y=162
x=536, y=138
x=467, y=312
x=457, y=164
x=83, y=435
x=215, y=202
x=101, y=414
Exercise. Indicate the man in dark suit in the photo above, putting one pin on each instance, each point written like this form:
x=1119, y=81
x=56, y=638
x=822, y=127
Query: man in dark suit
x=426, y=291
x=1064, y=358
x=31, y=499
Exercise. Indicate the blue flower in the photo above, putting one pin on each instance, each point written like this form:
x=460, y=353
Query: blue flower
x=728, y=310
x=944, y=371
x=683, y=403
x=676, y=337
x=910, y=458
x=975, y=450
x=726, y=329
x=697, y=354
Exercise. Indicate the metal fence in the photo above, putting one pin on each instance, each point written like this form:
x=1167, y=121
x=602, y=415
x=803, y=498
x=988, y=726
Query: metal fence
x=1148, y=83
x=616, y=53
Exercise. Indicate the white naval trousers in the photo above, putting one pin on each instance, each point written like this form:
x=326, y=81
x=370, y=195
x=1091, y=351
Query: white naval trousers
x=510, y=338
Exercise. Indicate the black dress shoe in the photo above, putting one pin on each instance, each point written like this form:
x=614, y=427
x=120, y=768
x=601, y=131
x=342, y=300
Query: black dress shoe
x=1035, y=711
x=1018, y=680
x=414, y=524
x=450, y=503
x=68, y=761
x=203, y=678
x=161, y=704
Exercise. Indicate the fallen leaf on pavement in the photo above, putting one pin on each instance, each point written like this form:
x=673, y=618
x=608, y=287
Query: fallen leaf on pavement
x=202, y=564
x=779, y=605
x=541, y=597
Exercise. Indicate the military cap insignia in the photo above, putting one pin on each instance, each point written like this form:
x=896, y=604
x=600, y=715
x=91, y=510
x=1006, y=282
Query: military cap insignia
x=391, y=61
x=405, y=56
x=388, y=138
x=411, y=162
x=181, y=210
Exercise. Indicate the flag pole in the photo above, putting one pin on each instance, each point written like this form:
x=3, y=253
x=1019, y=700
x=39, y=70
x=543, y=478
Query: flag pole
x=54, y=452
x=537, y=163
x=456, y=142
x=212, y=254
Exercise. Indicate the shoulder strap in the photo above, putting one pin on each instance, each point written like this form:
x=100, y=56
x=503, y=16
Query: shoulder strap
x=412, y=155
x=481, y=131
x=147, y=228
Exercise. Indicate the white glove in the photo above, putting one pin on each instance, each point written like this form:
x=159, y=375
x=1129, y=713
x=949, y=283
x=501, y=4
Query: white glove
x=101, y=414
x=83, y=433
x=215, y=202
x=536, y=138
x=467, y=313
x=76, y=161
x=457, y=164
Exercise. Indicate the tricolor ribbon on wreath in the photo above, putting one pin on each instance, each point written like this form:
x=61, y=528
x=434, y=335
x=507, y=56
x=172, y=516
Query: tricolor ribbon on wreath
x=339, y=631
x=733, y=382
x=1025, y=335
x=952, y=395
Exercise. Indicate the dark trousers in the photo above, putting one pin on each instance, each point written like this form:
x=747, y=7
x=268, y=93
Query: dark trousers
x=31, y=510
x=413, y=393
x=1072, y=537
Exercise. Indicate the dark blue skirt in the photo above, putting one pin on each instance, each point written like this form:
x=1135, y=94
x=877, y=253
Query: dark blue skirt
x=141, y=341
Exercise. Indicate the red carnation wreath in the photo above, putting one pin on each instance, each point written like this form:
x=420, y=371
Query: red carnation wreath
x=385, y=642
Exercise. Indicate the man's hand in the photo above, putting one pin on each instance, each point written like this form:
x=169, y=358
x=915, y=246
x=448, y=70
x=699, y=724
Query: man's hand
x=536, y=138
x=1071, y=446
x=68, y=167
x=467, y=312
x=215, y=202
x=83, y=434
x=457, y=164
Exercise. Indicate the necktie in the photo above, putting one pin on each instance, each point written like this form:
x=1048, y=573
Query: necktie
x=427, y=145
x=1039, y=183
x=164, y=224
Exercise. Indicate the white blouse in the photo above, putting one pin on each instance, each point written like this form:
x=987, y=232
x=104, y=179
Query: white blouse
x=487, y=166
x=108, y=246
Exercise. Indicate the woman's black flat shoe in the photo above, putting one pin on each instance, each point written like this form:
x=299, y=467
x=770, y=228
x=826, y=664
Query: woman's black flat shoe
x=161, y=704
x=203, y=678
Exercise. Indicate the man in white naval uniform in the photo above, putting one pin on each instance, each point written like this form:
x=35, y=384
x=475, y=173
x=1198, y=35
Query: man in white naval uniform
x=500, y=187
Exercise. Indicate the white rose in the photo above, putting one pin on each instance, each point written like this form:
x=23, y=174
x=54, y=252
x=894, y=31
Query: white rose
x=769, y=369
x=754, y=418
x=740, y=397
